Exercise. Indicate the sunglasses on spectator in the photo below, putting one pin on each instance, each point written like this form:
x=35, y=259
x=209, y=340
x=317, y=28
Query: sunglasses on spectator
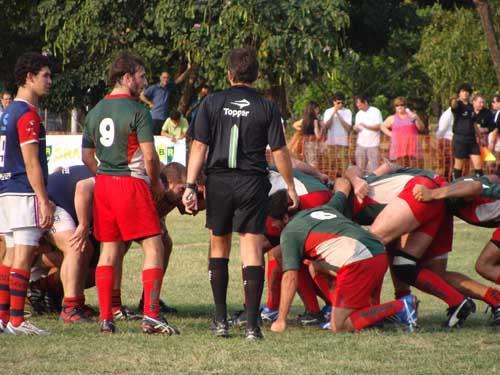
x=399, y=105
x=339, y=102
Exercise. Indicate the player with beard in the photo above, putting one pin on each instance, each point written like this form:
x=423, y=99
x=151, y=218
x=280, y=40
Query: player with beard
x=118, y=133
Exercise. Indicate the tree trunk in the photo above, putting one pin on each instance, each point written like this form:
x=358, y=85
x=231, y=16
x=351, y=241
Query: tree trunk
x=188, y=92
x=484, y=13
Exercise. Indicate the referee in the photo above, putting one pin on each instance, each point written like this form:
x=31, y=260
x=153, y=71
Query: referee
x=236, y=125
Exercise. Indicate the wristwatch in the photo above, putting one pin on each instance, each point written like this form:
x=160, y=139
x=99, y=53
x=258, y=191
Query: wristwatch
x=191, y=186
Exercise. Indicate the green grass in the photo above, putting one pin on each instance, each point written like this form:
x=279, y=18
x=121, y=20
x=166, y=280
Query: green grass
x=81, y=349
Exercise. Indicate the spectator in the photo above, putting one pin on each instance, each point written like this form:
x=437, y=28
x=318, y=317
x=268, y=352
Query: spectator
x=157, y=97
x=445, y=125
x=6, y=100
x=338, y=121
x=493, y=143
x=403, y=127
x=444, y=135
x=311, y=129
x=483, y=116
x=464, y=133
x=367, y=124
x=175, y=127
x=195, y=105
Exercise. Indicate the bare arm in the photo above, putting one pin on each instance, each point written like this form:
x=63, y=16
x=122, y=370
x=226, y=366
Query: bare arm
x=84, y=196
x=297, y=125
x=284, y=165
x=37, y=182
x=88, y=158
x=310, y=170
x=387, y=126
x=346, y=125
x=494, y=136
x=359, y=185
x=146, y=100
x=183, y=76
x=373, y=127
x=152, y=166
x=288, y=289
x=461, y=189
x=317, y=130
x=196, y=160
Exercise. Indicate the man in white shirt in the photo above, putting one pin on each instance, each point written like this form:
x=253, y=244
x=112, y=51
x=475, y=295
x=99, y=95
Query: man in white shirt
x=338, y=121
x=367, y=124
x=445, y=125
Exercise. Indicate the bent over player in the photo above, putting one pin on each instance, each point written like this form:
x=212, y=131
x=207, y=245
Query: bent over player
x=118, y=132
x=324, y=234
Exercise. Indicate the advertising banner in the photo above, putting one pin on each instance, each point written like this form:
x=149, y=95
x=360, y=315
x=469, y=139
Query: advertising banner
x=65, y=150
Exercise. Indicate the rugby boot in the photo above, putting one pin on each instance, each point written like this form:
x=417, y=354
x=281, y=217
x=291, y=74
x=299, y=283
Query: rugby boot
x=458, y=314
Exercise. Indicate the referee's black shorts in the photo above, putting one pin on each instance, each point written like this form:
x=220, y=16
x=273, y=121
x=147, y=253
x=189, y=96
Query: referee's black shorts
x=463, y=148
x=237, y=203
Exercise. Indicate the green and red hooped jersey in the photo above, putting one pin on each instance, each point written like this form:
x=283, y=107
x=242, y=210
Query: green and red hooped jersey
x=484, y=209
x=115, y=127
x=382, y=190
x=311, y=191
x=314, y=234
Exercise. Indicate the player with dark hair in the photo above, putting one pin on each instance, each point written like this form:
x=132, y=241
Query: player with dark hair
x=235, y=126
x=476, y=201
x=118, y=132
x=25, y=208
x=464, y=132
x=359, y=260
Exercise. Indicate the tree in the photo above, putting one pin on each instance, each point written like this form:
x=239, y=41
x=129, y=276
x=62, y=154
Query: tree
x=295, y=39
x=453, y=49
x=483, y=9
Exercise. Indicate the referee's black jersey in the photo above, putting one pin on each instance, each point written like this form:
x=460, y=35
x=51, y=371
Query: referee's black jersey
x=237, y=124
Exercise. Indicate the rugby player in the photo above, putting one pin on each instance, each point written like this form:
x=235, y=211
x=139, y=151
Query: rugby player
x=312, y=189
x=118, y=132
x=75, y=265
x=388, y=205
x=356, y=256
x=235, y=126
x=476, y=201
x=25, y=208
x=312, y=193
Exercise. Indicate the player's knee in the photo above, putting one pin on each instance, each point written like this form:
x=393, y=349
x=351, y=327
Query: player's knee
x=405, y=267
x=482, y=267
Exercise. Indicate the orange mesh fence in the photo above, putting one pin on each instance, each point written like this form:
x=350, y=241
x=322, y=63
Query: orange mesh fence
x=433, y=154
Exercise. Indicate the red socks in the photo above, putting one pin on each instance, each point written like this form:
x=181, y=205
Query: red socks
x=71, y=303
x=370, y=315
x=104, y=284
x=325, y=284
x=306, y=290
x=431, y=283
x=151, y=281
x=18, y=285
x=4, y=293
x=116, y=300
x=274, y=275
x=492, y=297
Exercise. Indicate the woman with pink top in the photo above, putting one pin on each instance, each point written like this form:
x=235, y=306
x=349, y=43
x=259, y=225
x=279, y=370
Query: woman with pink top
x=403, y=128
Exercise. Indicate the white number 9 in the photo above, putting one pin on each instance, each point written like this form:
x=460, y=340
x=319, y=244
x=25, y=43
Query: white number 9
x=107, y=130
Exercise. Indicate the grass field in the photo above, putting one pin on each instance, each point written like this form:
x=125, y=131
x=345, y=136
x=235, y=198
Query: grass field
x=80, y=349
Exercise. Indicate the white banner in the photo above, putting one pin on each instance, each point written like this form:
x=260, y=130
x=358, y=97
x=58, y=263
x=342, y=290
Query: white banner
x=65, y=150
